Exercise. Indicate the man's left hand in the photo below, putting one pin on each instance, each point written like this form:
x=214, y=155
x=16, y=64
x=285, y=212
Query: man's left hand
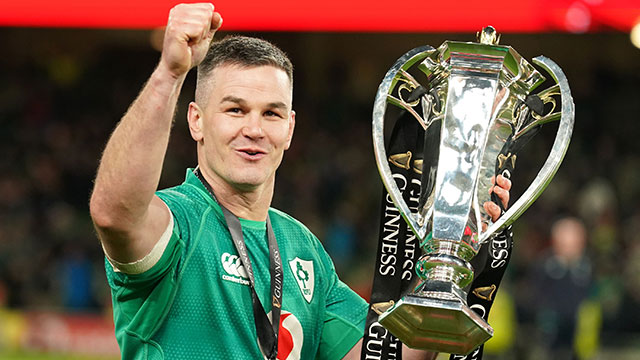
x=501, y=187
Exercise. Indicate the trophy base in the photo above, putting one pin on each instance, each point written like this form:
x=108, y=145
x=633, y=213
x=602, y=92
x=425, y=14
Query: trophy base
x=448, y=326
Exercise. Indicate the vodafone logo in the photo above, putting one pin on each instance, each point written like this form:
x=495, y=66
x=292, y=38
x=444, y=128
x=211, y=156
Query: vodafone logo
x=290, y=337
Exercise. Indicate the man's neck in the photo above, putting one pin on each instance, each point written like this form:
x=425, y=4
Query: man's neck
x=246, y=203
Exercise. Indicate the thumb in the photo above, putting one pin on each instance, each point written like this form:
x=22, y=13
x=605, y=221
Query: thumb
x=216, y=23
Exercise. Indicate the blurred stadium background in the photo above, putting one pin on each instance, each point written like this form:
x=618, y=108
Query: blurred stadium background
x=70, y=69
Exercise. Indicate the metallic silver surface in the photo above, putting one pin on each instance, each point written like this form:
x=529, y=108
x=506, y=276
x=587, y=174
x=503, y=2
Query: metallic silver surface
x=472, y=102
x=558, y=150
x=379, y=109
x=458, y=327
x=472, y=86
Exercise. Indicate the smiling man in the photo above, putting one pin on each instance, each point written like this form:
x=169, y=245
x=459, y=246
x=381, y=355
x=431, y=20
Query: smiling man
x=198, y=271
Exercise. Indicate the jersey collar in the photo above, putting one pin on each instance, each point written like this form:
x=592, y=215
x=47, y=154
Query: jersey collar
x=192, y=180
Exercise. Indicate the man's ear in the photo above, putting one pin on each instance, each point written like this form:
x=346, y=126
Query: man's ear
x=194, y=118
x=292, y=125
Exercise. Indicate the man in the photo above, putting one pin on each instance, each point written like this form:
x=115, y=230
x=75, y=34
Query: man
x=564, y=275
x=197, y=271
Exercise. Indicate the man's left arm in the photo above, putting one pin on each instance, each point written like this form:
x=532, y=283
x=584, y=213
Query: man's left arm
x=407, y=353
x=343, y=320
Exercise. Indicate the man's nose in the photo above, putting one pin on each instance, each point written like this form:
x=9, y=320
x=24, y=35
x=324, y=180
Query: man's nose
x=253, y=126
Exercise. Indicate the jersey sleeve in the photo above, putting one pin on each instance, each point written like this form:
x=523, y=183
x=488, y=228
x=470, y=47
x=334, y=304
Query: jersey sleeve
x=344, y=317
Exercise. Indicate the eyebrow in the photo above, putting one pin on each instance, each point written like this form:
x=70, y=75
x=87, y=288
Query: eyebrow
x=243, y=102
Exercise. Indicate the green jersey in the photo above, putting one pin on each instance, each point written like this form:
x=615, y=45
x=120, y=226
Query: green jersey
x=195, y=302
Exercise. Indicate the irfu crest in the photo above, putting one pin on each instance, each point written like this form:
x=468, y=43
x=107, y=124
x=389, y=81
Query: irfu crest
x=303, y=273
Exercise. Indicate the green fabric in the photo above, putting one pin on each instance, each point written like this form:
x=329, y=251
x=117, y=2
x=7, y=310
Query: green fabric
x=338, y=337
x=195, y=302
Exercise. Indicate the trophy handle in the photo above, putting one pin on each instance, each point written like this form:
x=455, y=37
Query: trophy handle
x=558, y=151
x=379, y=108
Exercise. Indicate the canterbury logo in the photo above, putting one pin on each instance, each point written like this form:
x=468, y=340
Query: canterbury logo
x=233, y=266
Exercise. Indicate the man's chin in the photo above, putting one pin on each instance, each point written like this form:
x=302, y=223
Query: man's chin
x=245, y=187
x=249, y=184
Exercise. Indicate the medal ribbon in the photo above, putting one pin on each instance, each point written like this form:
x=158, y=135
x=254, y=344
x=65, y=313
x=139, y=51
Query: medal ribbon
x=267, y=330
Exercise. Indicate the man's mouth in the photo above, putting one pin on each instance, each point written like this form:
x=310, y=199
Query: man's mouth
x=252, y=153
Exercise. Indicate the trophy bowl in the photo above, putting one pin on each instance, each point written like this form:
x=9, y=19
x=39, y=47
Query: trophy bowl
x=478, y=103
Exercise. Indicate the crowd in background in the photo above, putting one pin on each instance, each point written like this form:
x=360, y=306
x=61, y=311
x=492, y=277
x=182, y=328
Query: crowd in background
x=61, y=97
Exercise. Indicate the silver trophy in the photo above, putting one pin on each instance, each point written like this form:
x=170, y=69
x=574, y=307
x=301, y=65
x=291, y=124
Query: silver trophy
x=472, y=99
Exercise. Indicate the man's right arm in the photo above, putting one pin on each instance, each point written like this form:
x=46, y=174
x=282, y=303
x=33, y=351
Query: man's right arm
x=127, y=214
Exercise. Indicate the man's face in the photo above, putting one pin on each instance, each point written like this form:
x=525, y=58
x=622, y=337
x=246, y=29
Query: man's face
x=246, y=125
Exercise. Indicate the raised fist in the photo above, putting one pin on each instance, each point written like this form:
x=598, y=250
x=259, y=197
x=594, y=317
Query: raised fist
x=189, y=32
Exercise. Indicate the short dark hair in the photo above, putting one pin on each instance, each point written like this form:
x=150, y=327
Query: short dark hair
x=244, y=51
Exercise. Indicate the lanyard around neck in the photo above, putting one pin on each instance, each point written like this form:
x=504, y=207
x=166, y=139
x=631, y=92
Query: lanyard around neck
x=267, y=330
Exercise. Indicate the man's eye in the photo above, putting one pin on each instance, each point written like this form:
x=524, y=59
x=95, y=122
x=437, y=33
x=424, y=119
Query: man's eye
x=235, y=110
x=270, y=113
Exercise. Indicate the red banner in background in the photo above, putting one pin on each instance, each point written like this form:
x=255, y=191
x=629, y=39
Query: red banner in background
x=340, y=15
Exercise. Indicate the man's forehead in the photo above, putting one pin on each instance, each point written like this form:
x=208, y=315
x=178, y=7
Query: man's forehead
x=241, y=70
x=242, y=84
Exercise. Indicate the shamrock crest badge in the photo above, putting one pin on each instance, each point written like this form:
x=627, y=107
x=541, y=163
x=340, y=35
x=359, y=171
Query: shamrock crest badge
x=303, y=273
